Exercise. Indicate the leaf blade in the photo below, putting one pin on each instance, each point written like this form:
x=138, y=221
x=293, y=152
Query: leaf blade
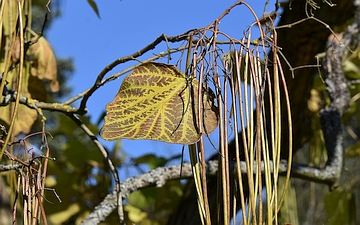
x=94, y=7
x=155, y=103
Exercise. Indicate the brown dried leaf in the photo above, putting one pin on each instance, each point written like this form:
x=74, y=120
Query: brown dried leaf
x=43, y=63
x=25, y=117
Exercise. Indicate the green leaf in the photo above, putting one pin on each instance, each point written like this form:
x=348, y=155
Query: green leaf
x=94, y=7
x=152, y=160
x=158, y=102
x=353, y=150
x=138, y=199
x=351, y=70
x=158, y=203
x=340, y=206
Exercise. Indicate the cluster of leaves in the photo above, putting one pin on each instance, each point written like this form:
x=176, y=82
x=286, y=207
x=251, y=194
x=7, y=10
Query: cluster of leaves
x=156, y=102
x=79, y=178
x=153, y=205
x=41, y=65
x=80, y=174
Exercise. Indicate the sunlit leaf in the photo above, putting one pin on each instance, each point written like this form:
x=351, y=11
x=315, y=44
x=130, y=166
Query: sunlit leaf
x=135, y=214
x=138, y=199
x=50, y=181
x=157, y=202
x=80, y=171
x=43, y=66
x=156, y=102
x=43, y=63
x=315, y=101
x=351, y=70
x=59, y=218
x=26, y=116
x=152, y=161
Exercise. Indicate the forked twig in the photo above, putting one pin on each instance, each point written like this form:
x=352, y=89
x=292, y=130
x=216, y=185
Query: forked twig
x=133, y=56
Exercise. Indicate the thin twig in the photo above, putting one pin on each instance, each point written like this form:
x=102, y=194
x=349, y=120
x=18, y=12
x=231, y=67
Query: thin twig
x=116, y=75
x=133, y=56
x=112, y=168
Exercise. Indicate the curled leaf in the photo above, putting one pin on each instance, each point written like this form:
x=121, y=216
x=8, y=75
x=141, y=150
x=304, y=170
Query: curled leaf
x=43, y=63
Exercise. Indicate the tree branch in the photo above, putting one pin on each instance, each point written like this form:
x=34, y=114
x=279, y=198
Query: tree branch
x=5, y=168
x=339, y=94
x=10, y=96
x=133, y=56
x=159, y=176
x=331, y=125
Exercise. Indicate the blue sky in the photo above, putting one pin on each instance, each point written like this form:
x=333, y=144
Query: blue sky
x=125, y=27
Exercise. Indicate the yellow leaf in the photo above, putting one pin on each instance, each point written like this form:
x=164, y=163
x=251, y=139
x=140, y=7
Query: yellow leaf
x=158, y=102
x=351, y=70
x=135, y=214
x=315, y=102
x=26, y=116
x=50, y=181
x=61, y=217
